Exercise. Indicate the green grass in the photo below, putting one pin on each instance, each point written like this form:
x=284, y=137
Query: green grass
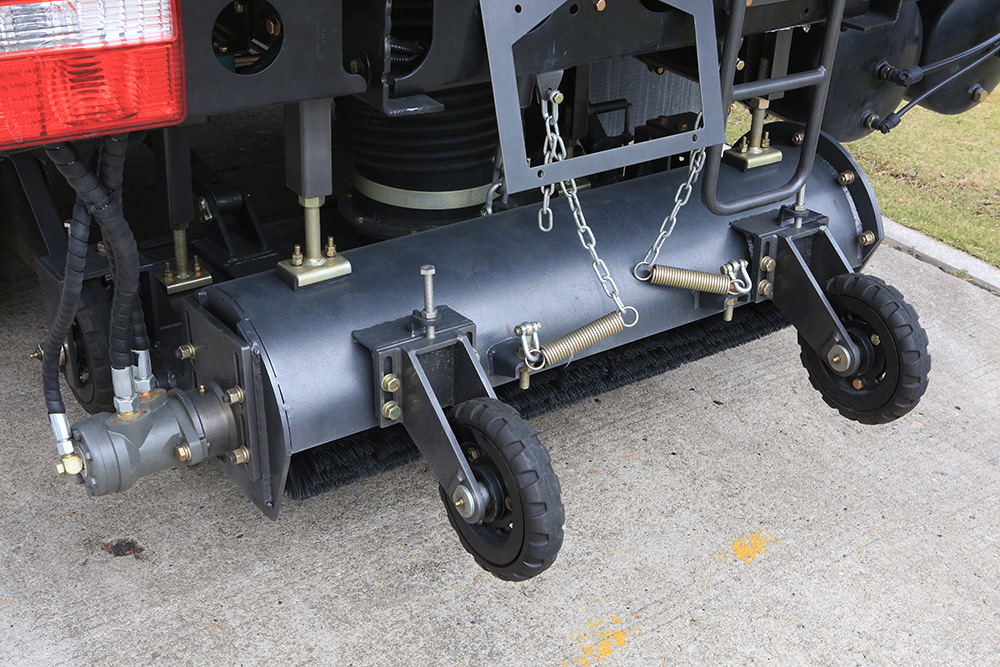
x=941, y=175
x=938, y=174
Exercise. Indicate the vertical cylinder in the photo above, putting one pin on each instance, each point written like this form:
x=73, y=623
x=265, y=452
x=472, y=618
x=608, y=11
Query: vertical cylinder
x=757, y=127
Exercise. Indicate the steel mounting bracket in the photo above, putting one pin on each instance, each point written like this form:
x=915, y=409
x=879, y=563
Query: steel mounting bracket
x=433, y=374
x=805, y=258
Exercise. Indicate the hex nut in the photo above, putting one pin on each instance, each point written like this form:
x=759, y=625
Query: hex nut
x=183, y=453
x=858, y=384
x=980, y=94
x=798, y=138
x=600, y=4
x=767, y=264
x=845, y=178
x=765, y=288
x=239, y=456
x=867, y=238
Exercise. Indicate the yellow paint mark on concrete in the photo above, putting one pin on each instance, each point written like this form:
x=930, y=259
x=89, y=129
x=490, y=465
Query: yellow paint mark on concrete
x=751, y=546
x=595, y=647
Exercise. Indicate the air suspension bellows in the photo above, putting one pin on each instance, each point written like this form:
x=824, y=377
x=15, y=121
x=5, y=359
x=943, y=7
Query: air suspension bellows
x=416, y=172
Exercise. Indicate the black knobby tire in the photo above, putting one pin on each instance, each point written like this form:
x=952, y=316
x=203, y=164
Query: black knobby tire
x=88, y=361
x=518, y=539
x=895, y=362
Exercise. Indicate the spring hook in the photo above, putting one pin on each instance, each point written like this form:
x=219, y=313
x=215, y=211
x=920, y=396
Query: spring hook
x=733, y=278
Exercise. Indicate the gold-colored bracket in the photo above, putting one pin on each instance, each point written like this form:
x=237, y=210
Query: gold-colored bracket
x=176, y=285
x=309, y=273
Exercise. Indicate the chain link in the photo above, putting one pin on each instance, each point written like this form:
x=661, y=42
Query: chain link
x=695, y=166
x=555, y=151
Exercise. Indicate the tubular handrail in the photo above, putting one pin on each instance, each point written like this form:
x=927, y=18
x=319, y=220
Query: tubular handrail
x=818, y=79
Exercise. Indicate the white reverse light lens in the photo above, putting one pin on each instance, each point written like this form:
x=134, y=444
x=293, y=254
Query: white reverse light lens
x=34, y=26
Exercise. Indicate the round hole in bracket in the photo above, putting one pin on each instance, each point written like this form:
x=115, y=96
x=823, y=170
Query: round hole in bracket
x=574, y=9
x=541, y=174
x=517, y=9
x=694, y=137
x=247, y=36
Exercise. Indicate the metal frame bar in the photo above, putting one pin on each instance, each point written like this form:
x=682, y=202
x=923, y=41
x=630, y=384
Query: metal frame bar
x=507, y=21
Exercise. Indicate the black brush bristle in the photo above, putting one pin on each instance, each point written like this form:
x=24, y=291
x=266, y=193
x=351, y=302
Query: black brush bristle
x=375, y=451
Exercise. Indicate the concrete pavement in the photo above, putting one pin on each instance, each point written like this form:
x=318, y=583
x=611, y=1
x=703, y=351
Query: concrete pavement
x=717, y=514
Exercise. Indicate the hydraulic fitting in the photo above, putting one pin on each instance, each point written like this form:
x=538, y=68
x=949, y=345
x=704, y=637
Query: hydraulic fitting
x=142, y=374
x=126, y=401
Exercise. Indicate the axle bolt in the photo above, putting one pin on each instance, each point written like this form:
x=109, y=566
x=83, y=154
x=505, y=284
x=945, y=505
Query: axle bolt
x=391, y=383
x=858, y=384
x=767, y=264
x=765, y=288
x=845, y=178
x=876, y=341
x=235, y=395
x=867, y=238
x=186, y=352
x=391, y=410
x=183, y=453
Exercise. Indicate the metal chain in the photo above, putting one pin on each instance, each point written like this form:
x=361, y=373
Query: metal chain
x=695, y=166
x=555, y=151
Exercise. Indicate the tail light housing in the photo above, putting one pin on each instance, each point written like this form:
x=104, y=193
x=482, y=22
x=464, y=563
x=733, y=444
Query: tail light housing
x=78, y=68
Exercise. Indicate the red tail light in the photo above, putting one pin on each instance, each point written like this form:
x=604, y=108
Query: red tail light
x=79, y=68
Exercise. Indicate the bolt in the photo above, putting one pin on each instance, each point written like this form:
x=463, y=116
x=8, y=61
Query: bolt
x=183, y=453
x=765, y=288
x=201, y=389
x=766, y=141
x=979, y=94
x=845, y=178
x=429, y=312
x=460, y=502
x=356, y=66
x=204, y=209
x=508, y=503
x=197, y=265
x=186, y=352
x=867, y=238
x=767, y=264
x=798, y=138
x=600, y=4
x=472, y=454
x=168, y=272
x=740, y=64
x=391, y=410
x=391, y=383
x=37, y=354
x=556, y=97
x=858, y=384
x=239, y=456
x=273, y=25
x=331, y=248
x=60, y=468
x=297, y=255
x=235, y=395
x=100, y=247
x=524, y=374
x=744, y=145
x=835, y=360
x=871, y=121
x=876, y=341
x=239, y=7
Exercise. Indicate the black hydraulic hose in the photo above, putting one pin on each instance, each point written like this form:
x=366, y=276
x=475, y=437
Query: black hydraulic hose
x=912, y=75
x=117, y=235
x=69, y=303
x=266, y=58
x=112, y=173
x=894, y=119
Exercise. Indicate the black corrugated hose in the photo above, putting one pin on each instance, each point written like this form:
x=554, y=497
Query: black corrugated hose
x=105, y=207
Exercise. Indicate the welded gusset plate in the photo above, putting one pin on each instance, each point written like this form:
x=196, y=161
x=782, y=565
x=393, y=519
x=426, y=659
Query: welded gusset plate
x=507, y=21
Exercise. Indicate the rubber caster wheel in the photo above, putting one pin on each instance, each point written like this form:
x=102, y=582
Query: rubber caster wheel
x=522, y=531
x=88, y=362
x=892, y=375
